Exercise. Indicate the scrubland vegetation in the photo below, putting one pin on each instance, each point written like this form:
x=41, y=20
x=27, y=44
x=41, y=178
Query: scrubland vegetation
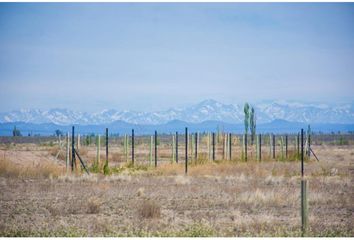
x=39, y=197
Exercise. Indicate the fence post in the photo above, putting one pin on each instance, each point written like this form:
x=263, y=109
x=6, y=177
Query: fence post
x=127, y=147
x=257, y=148
x=282, y=147
x=155, y=148
x=223, y=145
x=230, y=146
x=186, y=152
x=270, y=146
x=213, y=139
x=133, y=146
x=246, y=147
x=107, y=146
x=302, y=153
x=298, y=145
x=273, y=146
x=151, y=140
x=260, y=147
x=67, y=151
x=192, y=145
x=78, y=141
x=209, y=149
x=243, y=147
x=98, y=145
x=304, y=209
x=73, y=160
x=309, y=142
x=172, y=149
x=304, y=206
x=286, y=146
x=176, y=147
x=196, y=146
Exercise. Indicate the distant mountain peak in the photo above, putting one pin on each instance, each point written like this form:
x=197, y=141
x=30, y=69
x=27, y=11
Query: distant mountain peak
x=206, y=110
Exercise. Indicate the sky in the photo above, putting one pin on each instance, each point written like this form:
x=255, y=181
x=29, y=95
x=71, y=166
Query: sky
x=152, y=56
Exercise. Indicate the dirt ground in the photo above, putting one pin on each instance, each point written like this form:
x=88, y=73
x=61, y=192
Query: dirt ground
x=223, y=198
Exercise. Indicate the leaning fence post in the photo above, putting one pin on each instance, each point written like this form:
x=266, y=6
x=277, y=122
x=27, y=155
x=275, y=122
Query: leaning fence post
x=133, y=146
x=186, y=151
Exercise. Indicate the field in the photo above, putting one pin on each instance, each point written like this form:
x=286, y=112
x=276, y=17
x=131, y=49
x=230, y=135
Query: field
x=216, y=198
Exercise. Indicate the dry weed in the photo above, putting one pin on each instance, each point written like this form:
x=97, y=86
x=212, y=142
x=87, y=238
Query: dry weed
x=40, y=170
x=150, y=209
x=94, y=205
x=141, y=192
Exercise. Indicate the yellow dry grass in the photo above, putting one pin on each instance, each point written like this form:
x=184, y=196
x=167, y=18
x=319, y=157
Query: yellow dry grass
x=36, y=170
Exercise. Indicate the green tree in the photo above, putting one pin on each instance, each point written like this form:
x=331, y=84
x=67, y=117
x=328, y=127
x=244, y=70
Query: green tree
x=58, y=133
x=246, y=110
x=252, y=125
x=16, y=132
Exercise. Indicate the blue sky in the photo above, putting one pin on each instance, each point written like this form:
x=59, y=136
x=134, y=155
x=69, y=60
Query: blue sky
x=90, y=56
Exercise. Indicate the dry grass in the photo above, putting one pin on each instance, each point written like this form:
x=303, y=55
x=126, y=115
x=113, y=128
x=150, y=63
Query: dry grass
x=35, y=170
x=94, y=205
x=150, y=209
x=116, y=157
x=234, y=198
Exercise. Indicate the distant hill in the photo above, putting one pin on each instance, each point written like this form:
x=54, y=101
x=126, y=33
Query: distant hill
x=121, y=127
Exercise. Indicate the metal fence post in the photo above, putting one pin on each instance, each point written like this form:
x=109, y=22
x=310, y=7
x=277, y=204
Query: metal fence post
x=213, y=143
x=186, y=151
x=155, y=149
x=133, y=146
x=176, y=147
x=73, y=160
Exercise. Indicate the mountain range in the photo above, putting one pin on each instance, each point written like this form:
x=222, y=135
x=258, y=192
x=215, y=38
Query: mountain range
x=207, y=110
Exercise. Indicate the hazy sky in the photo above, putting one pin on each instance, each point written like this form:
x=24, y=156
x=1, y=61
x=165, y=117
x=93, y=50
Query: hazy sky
x=142, y=56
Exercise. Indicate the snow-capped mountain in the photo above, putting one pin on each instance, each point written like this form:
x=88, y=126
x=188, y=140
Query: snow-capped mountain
x=203, y=111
